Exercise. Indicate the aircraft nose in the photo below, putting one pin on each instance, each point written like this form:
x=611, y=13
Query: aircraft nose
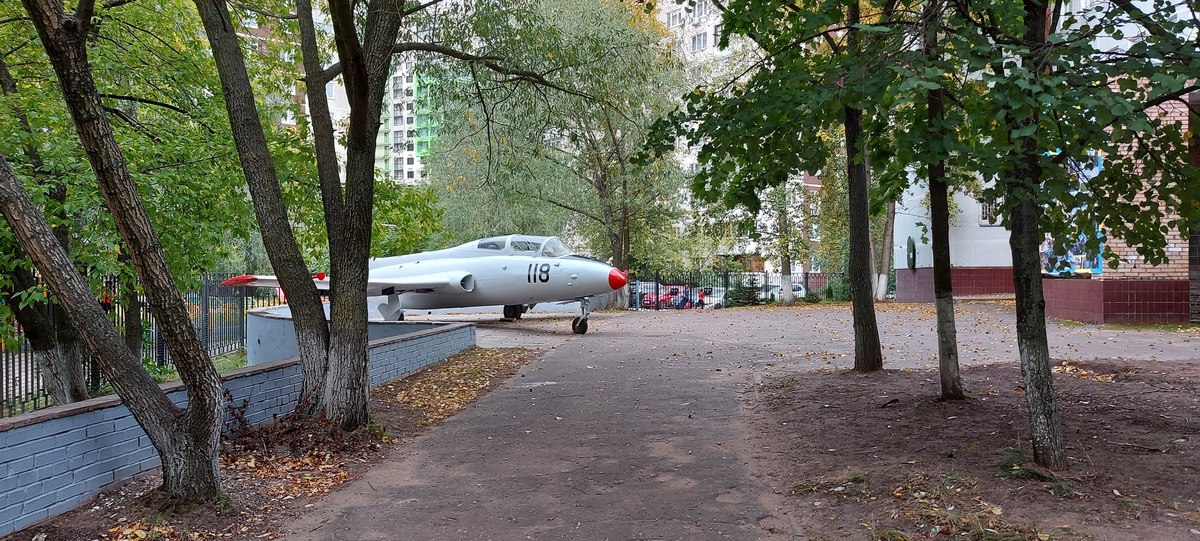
x=616, y=279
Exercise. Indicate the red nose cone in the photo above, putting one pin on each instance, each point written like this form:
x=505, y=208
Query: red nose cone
x=616, y=279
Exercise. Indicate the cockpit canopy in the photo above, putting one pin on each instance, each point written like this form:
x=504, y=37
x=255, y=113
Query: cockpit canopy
x=516, y=245
x=529, y=245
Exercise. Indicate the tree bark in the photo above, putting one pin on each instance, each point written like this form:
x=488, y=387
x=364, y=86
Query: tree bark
x=939, y=215
x=786, y=298
x=884, y=271
x=58, y=350
x=868, y=354
x=308, y=314
x=199, y=425
x=1024, y=241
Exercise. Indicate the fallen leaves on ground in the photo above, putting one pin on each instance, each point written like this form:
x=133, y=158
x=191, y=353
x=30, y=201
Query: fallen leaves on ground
x=443, y=390
x=1070, y=368
x=314, y=473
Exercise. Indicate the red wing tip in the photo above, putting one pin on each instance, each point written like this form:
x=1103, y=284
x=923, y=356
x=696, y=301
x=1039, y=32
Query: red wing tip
x=239, y=280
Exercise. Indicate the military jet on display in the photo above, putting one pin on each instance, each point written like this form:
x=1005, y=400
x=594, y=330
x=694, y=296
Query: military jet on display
x=516, y=271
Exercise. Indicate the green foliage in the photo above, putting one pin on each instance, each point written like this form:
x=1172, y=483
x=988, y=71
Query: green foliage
x=744, y=292
x=1047, y=109
x=404, y=220
x=164, y=101
x=837, y=289
x=522, y=158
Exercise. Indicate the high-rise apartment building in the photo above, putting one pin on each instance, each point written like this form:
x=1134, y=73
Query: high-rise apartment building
x=408, y=127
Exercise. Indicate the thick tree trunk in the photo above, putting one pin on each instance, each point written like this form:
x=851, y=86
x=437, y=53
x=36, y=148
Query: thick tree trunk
x=868, y=354
x=939, y=214
x=64, y=38
x=1025, y=241
x=153, y=411
x=308, y=314
x=1048, y=449
x=943, y=289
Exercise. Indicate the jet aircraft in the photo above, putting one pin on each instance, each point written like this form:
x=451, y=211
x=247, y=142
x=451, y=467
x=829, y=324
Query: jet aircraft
x=516, y=271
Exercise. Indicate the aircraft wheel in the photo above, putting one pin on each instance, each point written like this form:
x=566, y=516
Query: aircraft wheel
x=579, y=326
x=512, y=311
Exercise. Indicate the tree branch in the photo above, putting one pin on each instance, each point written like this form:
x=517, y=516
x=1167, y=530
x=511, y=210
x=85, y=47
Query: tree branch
x=264, y=13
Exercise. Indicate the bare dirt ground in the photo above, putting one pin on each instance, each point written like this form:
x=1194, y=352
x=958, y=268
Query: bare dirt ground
x=878, y=457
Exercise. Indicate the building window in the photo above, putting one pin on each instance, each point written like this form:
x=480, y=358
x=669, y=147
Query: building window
x=701, y=9
x=410, y=160
x=699, y=42
x=329, y=90
x=717, y=33
x=408, y=106
x=676, y=18
x=408, y=78
x=408, y=120
x=989, y=213
x=410, y=174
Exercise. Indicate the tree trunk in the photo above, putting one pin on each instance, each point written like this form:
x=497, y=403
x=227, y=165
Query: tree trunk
x=884, y=269
x=153, y=411
x=57, y=350
x=308, y=314
x=64, y=38
x=135, y=329
x=939, y=215
x=786, y=298
x=1025, y=241
x=1194, y=232
x=868, y=354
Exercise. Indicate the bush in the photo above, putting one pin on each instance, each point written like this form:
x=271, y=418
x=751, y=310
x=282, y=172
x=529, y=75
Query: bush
x=837, y=289
x=745, y=293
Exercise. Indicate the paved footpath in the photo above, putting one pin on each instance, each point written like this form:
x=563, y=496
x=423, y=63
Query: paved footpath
x=636, y=430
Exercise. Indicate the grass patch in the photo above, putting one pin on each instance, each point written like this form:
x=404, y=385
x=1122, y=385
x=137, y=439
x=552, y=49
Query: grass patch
x=1012, y=466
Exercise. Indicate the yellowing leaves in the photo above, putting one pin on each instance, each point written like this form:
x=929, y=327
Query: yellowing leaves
x=448, y=387
x=1069, y=368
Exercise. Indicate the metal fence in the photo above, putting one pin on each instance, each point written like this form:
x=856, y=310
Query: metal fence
x=669, y=290
x=218, y=314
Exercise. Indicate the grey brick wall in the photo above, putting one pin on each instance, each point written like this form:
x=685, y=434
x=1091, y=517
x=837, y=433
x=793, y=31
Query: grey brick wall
x=56, y=459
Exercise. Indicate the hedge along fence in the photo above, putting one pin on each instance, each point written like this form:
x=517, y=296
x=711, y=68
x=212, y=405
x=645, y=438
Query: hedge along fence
x=56, y=459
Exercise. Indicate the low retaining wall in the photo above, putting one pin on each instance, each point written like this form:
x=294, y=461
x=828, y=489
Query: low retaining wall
x=1117, y=301
x=916, y=285
x=56, y=459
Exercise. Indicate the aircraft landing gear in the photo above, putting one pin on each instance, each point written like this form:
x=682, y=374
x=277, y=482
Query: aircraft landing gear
x=513, y=311
x=579, y=325
x=391, y=310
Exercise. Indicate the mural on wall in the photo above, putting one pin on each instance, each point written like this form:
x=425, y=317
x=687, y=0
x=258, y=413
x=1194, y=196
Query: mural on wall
x=1077, y=260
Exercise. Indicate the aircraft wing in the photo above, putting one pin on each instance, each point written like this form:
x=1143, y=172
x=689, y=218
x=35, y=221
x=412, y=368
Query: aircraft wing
x=447, y=282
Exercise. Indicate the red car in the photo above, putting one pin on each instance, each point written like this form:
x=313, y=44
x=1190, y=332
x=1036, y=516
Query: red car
x=667, y=297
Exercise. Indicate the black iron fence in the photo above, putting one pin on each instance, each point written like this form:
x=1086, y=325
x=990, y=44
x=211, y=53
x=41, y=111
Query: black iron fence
x=671, y=290
x=218, y=314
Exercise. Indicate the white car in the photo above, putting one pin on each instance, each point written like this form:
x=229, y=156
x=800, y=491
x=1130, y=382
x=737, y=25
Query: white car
x=772, y=293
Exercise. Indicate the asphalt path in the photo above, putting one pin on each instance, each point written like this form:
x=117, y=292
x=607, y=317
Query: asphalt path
x=636, y=430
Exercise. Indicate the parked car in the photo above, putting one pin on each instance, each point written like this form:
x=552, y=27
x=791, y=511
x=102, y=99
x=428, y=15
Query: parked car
x=772, y=293
x=667, y=297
